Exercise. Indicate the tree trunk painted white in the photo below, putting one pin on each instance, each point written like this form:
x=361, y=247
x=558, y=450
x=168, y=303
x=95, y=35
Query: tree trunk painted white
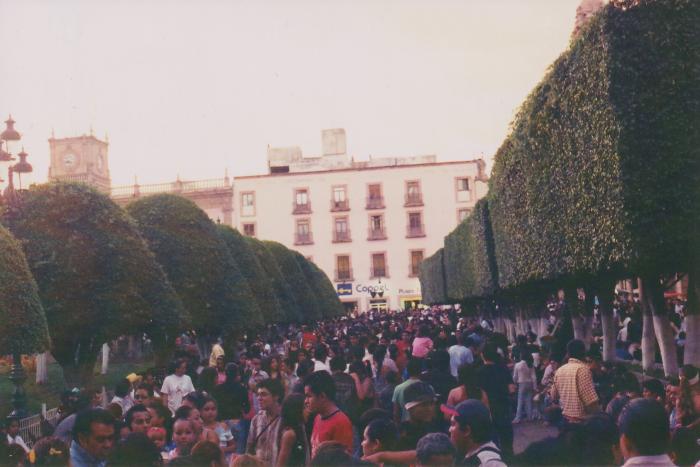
x=105, y=359
x=519, y=323
x=588, y=331
x=533, y=324
x=648, y=341
x=691, y=352
x=654, y=299
x=509, y=327
x=667, y=345
x=579, y=330
x=41, y=368
x=607, y=321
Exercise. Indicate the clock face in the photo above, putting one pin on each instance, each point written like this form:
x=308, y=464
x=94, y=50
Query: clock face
x=70, y=160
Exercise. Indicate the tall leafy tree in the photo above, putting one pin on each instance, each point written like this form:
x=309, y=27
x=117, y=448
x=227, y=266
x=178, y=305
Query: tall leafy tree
x=261, y=285
x=198, y=263
x=23, y=328
x=328, y=302
x=289, y=311
x=97, y=278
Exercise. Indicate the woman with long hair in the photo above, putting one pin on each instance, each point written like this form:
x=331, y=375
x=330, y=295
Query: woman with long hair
x=364, y=385
x=210, y=419
x=293, y=443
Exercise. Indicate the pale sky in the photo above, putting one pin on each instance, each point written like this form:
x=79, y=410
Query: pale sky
x=194, y=87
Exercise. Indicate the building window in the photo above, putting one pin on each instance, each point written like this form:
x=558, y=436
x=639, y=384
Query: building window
x=341, y=232
x=413, y=196
x=415, y=226
x=248, y=203
x=302, y=204
x=462, y=214
x=339, y=200
x=379, y=268
x=249, y=229
x=376, y=227
x=463, y=189
x=343, y=270
x=303, y=233
x=416, y=258
x=375, y=199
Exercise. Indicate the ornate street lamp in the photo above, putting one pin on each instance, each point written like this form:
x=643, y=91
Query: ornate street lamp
x=11, y=201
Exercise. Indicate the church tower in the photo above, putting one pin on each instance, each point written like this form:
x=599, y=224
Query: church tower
x=80, y=159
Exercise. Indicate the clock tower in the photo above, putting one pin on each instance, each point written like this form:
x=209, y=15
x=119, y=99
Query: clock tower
x=80, y=159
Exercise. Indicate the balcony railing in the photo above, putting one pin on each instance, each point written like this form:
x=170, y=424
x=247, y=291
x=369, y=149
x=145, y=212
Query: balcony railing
x=378, y=272
x=413, y=199
x=343, y=205
x=343, y=275
x=303, y=238
x=415, y=231
x=413, y=271
x=341, y=236
x=375, y=202
x=376, y=234
x=301, y=208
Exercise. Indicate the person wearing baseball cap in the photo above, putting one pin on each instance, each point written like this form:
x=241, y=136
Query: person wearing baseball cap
x=471, y=432
x=419, y=402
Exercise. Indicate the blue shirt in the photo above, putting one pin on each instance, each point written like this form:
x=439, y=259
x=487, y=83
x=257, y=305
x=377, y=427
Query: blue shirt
x=79, y=457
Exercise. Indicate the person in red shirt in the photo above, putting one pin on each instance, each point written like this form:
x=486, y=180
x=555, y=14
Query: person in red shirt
x=330, y=424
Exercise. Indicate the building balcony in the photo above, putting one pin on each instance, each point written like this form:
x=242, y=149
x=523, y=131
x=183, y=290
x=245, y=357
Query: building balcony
x=343, y=205
x=341, y=236
x=375, y=202
x=303, y=238
x=415, y=231
x=301, y=208
x=413, y=272
x=413, y=199
x=376, y=234
x=344, y=275
x=379, y=272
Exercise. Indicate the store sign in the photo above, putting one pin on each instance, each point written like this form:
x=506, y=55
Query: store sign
x=344, y=289
x=373, y=290
x=408, y=292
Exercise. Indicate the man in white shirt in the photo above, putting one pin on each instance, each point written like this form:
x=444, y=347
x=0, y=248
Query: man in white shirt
x=460, y=355
x=176, y=386
x=644, y=434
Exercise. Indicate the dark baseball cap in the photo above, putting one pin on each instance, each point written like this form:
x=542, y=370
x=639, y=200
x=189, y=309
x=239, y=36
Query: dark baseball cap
x=470, y=412
x=417, y=393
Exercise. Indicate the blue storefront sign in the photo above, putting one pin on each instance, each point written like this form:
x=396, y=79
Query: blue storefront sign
x=344, y=289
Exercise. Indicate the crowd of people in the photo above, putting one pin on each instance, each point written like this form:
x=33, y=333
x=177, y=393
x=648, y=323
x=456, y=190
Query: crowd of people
x=426, y=387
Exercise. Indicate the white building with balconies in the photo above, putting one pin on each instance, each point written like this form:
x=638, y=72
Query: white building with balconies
x=367, y=224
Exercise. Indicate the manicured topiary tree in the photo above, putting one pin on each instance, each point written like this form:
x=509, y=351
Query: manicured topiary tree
x=23, y=328
x=298, y=284
x=198, y=263
x=97, y=278
x=328, y=304
x=470, y=267
x=599, y=177
x=260, y=283
x=289, y=311
x=432, y=279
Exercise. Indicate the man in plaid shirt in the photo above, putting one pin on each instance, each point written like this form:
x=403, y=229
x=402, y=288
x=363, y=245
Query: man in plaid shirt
x=573, y=385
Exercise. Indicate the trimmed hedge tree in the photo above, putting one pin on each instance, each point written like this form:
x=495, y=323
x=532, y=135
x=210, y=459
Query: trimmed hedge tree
x=289, y=310
x=432, y=279
x=599, y=179
x=198, y=263
x=328, y=304
x=260, y=283
x=97, y=278
x=470, y=267
x=23, y=328
x=304, y=296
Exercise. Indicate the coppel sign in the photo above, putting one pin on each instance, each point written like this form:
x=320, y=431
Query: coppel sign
x=372, y=289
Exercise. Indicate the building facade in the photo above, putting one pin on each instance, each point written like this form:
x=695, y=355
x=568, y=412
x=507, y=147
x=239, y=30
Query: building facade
x=367, y=224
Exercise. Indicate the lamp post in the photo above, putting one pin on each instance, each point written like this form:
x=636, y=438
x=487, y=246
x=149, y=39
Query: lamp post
x=10, y=199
